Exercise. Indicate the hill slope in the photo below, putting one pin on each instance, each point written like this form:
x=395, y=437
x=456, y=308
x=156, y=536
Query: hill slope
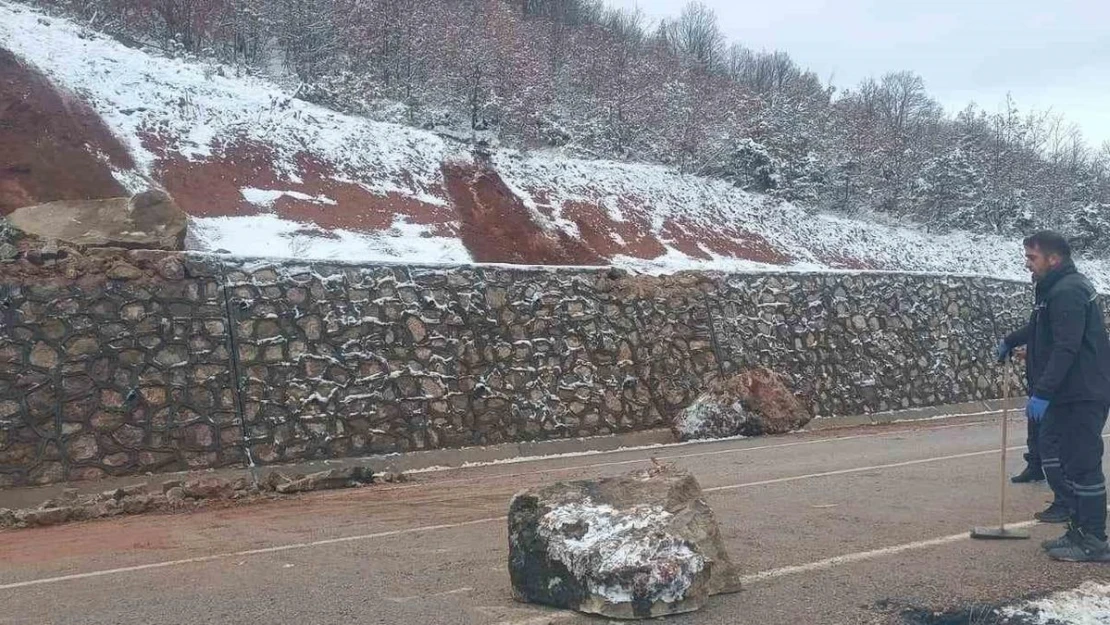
x=265, y=174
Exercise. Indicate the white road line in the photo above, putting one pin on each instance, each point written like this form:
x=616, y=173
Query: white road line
x=249, y=552
x=534, y=616
x=893, y=465
x=505, y=476
x=861, y=556
x=719, y=452
x=545, y=619
x=814, y=442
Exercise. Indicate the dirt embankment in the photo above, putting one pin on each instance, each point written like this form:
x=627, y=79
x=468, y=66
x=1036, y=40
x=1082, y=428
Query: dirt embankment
x=496, y=227
x=213, y=187
x=632, y=231
x=50, y=142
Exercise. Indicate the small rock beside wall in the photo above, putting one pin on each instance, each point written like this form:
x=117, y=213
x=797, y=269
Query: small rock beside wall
x=751, y=403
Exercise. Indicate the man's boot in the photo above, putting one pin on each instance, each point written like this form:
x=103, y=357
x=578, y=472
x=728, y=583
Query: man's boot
x=1055, y=513
x=1082, y=548
x=1069, y=537
x=1032, y=473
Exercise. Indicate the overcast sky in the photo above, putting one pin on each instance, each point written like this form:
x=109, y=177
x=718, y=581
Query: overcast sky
x=1050, y=54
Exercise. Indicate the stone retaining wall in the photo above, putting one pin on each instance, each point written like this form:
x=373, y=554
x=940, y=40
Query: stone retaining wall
x=133, y=369
x=114, y=377
x=856, y=344
x=356, y=360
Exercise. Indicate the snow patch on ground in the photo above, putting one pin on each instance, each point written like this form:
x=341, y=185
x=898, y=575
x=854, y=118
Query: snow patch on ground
x=269, y=236
x=267, y=197
x=1087, y=605
x=674, y=261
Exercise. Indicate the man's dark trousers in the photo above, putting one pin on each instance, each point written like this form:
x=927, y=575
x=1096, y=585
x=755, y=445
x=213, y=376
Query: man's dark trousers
x=1080, y=427
x=1045, y=443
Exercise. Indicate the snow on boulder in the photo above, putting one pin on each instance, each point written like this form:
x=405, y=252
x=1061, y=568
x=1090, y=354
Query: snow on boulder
x=641, y=545
x=751, y=403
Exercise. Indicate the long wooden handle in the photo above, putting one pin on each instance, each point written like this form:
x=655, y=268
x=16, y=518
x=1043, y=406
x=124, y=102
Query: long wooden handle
x=1005, y=421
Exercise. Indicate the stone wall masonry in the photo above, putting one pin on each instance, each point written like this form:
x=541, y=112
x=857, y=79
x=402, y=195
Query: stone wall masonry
x=114, y=377
x=356, y=360
x=166, y=361
x=856, y=344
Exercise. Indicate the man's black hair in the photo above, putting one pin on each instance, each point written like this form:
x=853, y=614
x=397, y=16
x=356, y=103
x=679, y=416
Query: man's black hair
x=1049, y=242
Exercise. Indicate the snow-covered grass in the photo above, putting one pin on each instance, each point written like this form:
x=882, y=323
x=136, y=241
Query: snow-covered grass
x=801, y=234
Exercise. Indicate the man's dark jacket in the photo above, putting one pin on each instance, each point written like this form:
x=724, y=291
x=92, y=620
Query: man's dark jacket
x=1067, y=353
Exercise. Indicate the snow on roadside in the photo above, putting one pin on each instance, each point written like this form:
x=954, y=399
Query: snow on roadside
x=1089, y=604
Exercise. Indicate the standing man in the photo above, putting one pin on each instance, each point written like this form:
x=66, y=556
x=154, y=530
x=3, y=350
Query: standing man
x=1067, y=369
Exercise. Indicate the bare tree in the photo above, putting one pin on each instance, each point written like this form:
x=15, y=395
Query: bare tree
x=697, y=35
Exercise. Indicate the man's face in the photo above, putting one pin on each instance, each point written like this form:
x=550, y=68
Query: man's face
x=1038, y=263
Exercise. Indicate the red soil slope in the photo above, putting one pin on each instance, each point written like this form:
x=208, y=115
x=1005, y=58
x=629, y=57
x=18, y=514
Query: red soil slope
x=49, y=141
x=497, y=227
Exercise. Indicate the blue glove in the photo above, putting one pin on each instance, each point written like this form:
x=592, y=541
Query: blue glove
x=1003, y=351
x=1036, y=408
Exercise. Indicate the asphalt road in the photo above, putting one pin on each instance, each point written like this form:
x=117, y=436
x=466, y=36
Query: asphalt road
x=851, y=526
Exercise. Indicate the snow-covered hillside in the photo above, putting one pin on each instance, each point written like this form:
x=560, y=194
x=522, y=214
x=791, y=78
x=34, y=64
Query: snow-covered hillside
x=265, y=174
x=701, y=221
x=182, y=120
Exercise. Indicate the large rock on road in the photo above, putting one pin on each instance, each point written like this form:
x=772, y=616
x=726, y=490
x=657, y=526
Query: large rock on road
x=638, y=546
